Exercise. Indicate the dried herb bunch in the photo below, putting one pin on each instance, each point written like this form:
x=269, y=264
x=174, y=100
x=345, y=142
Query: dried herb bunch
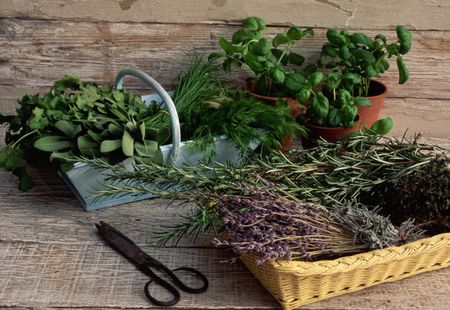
x=345, y=170
x=272, y=226
x=423, y=195
x=335, y=175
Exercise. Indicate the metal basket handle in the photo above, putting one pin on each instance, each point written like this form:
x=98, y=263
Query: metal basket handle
x=176, y=135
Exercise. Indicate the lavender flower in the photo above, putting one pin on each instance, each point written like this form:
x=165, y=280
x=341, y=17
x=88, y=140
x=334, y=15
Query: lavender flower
x=262, y=222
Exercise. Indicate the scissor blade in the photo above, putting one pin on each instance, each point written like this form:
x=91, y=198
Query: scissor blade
x=123, y=244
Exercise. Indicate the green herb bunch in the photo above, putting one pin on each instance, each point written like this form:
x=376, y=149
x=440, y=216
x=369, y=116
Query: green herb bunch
x=208, y=109
x=245, y=121
x=335, y=175
x=356, y=59
x=76, y=118
x=268, y=59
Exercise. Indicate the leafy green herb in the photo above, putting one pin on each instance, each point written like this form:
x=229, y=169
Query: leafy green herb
x=267, y=59
x=364, y=58
x=330, y=174
x=75, y=118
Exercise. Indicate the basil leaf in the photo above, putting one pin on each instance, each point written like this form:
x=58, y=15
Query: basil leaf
x=279, y=39
x=361, y=101
x=403, y=72
x=382, y=126
x=296, y=59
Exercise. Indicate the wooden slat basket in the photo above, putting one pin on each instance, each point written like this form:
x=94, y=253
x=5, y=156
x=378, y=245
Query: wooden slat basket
x=297, y=283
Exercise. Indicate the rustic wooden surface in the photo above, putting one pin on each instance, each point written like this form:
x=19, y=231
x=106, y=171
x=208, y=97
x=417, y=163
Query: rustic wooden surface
x=50, y=255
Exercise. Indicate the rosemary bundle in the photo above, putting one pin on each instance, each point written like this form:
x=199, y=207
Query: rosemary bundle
x=335, y=175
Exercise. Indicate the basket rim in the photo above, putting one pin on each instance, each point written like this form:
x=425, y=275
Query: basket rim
x=360, y=260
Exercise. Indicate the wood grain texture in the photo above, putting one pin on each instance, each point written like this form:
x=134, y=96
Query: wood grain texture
x=50, y=254
x=51, y=257
x=361, y=14
x=35, y=53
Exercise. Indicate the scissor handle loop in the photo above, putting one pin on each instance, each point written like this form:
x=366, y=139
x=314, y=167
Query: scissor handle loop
x=164, y=284
x=184, y=287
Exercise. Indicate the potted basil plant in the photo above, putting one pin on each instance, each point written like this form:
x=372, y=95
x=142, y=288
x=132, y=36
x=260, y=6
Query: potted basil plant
x=268, y=59
x=359, y=59
x=334, y=116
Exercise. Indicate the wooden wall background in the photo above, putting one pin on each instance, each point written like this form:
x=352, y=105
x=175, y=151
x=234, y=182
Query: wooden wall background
x=41, y=40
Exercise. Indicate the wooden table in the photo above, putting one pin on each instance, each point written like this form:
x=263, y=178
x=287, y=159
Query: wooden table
x=51, y=257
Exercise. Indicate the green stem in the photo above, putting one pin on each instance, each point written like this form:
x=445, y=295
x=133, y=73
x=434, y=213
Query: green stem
x=23, y=137
x=284, y=52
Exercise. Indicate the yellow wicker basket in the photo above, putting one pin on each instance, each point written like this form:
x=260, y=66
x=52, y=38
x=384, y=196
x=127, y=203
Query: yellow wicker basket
x=295, y=283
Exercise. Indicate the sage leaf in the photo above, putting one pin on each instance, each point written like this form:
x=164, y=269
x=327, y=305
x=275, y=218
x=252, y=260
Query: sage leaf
x=114, y=129
x=87, y=145
x=110, y=145
x=146, y=149
x=127, y=143
x=163, y=135
x=142, y=130
x=118, y=95
x=52, y=143
x=68, y=128
x=96, y=136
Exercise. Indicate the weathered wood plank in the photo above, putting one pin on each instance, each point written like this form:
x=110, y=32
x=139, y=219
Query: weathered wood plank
x=364, y=14
x=55, y=275
x=52, y=258
x=84, y=276
x=35, y=53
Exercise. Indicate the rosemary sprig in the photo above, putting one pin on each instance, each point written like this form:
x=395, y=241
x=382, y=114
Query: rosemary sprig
x=330, y=174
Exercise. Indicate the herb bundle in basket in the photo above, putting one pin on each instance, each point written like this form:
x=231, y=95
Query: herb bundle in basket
x=335, y=177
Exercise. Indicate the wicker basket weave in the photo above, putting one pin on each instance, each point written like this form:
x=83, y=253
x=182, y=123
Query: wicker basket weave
x=295, y=283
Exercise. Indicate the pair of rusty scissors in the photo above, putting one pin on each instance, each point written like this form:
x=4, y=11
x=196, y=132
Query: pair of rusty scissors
x=147, y=264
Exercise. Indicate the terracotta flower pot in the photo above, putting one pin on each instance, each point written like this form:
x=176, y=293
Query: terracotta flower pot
x=293, y=104
x=330, y=134
x=377, y=93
